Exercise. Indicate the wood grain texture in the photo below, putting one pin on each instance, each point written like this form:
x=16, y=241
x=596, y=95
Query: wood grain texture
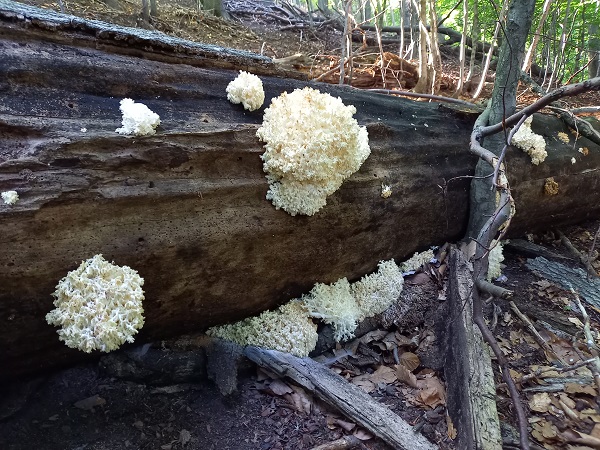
x=468, y=367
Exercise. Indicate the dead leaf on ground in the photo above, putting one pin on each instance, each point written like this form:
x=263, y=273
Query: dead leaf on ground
x=88, y=404
x=452, y=432
x=432, y=392
x=375, y=335
x=364, y=382
x=544, y=432
x=406, y=376
x=540, y=402
x=384, y=374
x=362, y=434
x=576, y=388
x=301, y=400
x=278, y=387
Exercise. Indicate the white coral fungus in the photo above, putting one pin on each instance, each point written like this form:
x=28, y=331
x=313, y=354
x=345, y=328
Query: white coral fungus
x=10, y=197
x=374, y=293
x=531, y=143
x=386, y=191
x=495, y=259
x=417, y=260
x=335, y=305
x=343, y=305
x=287, y=329
x=246, y=89
x=138, y=119
x=98, y=306
x=312, y=145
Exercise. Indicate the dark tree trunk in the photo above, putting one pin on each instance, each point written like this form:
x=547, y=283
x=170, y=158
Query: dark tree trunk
x=186, y=208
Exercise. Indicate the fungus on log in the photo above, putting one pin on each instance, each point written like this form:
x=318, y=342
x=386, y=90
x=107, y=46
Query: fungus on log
x=186, y=207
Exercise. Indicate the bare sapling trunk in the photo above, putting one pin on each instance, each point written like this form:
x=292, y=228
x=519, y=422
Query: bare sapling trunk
x=529, y=57
x=475, y=34
x=488, y=58
x=462, y=52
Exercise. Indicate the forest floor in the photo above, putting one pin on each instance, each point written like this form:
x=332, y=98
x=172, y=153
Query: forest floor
x=87, y=407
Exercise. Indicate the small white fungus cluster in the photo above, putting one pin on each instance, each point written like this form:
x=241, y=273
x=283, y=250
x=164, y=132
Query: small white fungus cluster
x=10, y=197
x=138, y=119
x=386, y=191
x=533, y=144
x=312, y=145
x=495, y=259
x=287, y=329
x=334, y=305
x=343, y=305
x=98, y=306
x=417, y=260
x=246, y=89
x=376, y=292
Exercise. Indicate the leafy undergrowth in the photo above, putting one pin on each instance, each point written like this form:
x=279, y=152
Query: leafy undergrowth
x=554, y=364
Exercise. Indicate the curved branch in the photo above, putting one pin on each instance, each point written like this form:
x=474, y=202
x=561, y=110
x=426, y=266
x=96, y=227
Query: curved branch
x=571, y=90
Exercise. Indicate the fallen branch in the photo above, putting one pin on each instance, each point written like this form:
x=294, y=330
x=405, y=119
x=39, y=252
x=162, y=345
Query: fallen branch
x=334, y=390
x=344, y=443
x=536, y=335
x=582, y=258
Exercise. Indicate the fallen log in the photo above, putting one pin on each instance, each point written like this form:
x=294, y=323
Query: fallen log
x=186, y=207
x=351, y=400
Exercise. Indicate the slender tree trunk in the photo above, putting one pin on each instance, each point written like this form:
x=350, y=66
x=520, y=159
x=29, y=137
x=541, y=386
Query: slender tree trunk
x=423, y=83
x=475, y=35
x=560, y=54
x=594, y=45
x=529, y=57
x=490, y=53
x=462, y=51
x=434, y=49
x=154, y=8
x=146, y=10
x=503, y=103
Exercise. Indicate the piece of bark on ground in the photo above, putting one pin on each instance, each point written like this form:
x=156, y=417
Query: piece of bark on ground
x=568, y=278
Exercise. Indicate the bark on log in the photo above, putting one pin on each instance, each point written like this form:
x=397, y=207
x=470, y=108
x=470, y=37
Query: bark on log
x=186, y=208
x=351, y=400
x=468, y=368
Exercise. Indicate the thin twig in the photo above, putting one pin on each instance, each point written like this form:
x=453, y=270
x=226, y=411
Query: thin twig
x=582, y=258
x=589, y=340
x=543, y=370
x=536, y=335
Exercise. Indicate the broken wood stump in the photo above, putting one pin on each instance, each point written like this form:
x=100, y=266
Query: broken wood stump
x=186, y=207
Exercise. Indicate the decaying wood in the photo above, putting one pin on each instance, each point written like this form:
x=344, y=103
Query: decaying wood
x=526, y=248
x=568, y=278
x=334, y=390
x=344, y=443
x=468, y=369
x=186, y=207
